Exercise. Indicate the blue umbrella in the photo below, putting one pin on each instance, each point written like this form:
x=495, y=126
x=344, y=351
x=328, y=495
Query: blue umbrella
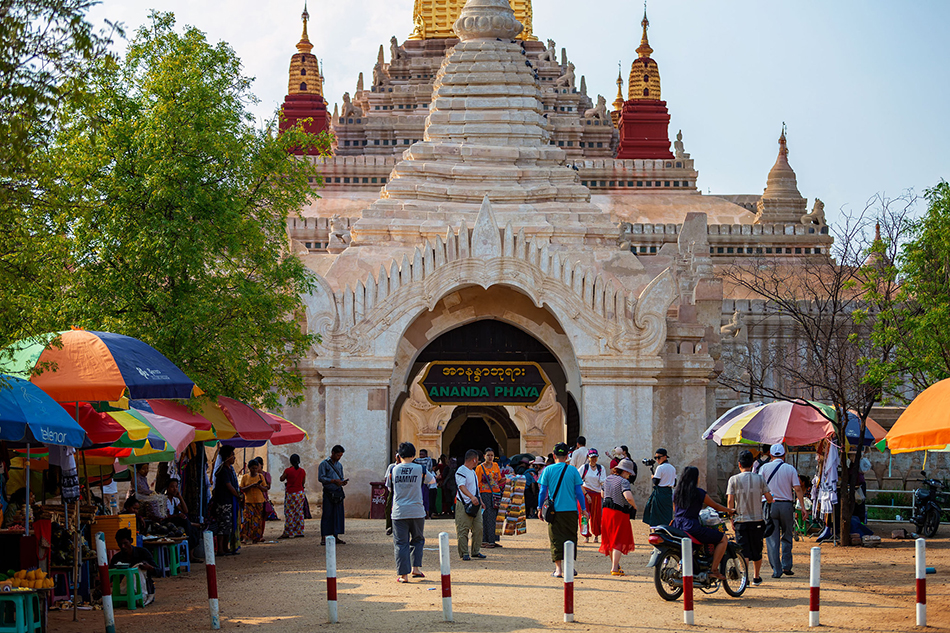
x=29, y=416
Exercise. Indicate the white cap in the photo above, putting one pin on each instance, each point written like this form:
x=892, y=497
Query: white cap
x=777, y=450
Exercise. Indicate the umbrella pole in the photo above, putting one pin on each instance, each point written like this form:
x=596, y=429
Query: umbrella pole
x=26, y=516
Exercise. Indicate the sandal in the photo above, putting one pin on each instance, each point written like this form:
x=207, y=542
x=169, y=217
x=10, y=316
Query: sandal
x=419, y=575
x=554, y=574
x=401, y=579
x=619, y=572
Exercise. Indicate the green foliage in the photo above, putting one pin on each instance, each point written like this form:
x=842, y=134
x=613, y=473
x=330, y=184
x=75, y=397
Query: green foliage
x=922, y=316
x=47, y=47
x=176, y=206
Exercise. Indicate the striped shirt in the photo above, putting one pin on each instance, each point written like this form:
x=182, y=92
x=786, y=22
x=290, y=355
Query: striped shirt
x=614, y=488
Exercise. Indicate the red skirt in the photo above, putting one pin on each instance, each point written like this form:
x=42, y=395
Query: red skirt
x=617, y=532
x=593, y=501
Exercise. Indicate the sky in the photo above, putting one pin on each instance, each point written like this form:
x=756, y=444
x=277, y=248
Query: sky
x=862, y=85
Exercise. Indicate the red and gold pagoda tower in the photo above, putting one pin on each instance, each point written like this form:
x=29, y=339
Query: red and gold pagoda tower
x=644, y=121
x=304, y=98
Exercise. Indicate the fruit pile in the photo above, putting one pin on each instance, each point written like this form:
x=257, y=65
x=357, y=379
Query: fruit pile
x=33, y=579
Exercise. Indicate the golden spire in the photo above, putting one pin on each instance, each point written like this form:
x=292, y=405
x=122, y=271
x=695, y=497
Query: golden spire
x=304, y=45
x=644, y=49
x=433, y=19
x=618, y=102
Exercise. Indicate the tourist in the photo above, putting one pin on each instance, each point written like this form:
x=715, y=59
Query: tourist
x=253, y=486
x=331, y=476
x=466, y=483
x=428, y=492
x=579, y=455
x=688, y=500
x=783, y=481
x=562, y=485
x=408, y=479
x=294, y=478
x=619, y=508
x=593, y=475
x=137, y=557
x=489, y=487
x=744, y=494
x=659, y=508
x=619, y=453
x=225, y=500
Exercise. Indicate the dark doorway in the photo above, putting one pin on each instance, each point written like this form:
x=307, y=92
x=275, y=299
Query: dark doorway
x=473, y=434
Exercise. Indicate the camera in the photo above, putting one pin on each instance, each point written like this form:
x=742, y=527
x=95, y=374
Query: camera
x=649, y=462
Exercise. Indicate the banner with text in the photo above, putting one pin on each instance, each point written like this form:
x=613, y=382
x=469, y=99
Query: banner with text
x=501, y=383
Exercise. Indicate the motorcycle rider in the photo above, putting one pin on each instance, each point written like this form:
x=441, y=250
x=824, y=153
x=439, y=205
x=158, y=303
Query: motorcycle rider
x=688, y=500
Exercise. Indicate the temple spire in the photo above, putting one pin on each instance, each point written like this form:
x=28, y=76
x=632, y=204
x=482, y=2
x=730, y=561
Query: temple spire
x=618, y=102
x=644, y=49
x=304, y=45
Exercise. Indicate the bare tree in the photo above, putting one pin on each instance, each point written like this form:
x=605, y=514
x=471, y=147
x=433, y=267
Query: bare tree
x=819, y=316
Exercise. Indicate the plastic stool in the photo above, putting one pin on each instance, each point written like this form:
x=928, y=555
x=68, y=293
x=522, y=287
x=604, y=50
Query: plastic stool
x=23, y=616
x=173, y=558
x=184, y=556
x=134, y=591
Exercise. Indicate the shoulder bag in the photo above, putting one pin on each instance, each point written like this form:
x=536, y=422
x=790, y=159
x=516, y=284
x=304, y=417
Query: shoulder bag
x=336, y=496
x=767, y=507
x=547, y=508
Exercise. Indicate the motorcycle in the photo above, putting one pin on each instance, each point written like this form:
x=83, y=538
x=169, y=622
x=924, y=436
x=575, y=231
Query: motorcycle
x=927, y=508
x=668, y=569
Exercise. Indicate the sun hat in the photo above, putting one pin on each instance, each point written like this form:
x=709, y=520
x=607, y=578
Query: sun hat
x=592, y=452
x=539, y=461
x=625, y=465
x=777, y=450
x=561, y=449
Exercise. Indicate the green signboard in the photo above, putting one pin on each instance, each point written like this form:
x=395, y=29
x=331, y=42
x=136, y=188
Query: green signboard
x=501, y=383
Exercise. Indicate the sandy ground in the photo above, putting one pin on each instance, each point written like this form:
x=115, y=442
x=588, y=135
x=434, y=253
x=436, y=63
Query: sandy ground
x=280, y=587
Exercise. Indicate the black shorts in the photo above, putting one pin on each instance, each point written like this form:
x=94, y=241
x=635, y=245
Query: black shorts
x=750, y=537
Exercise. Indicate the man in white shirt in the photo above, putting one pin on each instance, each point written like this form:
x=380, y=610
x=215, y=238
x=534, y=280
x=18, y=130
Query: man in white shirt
x=659, y=509
x=782, y=479
x=467, y=484
x=579, y=456
x=593, y=476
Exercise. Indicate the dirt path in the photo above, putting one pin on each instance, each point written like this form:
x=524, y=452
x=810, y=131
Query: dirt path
x=280, y=587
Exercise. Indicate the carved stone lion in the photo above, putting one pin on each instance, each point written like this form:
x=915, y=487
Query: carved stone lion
x=549, y=54
x=599, y=111
x=817, y=215
x=349, y=109
x=567, y=79
x=397, y=51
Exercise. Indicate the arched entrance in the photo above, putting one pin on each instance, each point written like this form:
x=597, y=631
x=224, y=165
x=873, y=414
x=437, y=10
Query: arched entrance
x=460, y=424
x=480, y=428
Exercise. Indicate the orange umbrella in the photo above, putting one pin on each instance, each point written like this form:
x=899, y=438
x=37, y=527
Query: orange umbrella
x=925, y=424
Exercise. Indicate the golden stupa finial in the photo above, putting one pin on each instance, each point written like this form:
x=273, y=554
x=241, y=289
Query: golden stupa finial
x=304, y=45
x=644, y=49
x=783, y=143
x=618, y=102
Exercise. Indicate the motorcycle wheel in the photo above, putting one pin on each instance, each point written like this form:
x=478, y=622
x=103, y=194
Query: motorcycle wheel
x=668, y=569
x=736, y=571
x=931, y=523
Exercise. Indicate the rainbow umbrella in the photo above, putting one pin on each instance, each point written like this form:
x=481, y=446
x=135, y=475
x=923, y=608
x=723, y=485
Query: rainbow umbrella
x=793, y=423
x=203, y=427
x=85, y=366
x=234, y=419
x=925, y=423
x=728, y=417
x=289, y=432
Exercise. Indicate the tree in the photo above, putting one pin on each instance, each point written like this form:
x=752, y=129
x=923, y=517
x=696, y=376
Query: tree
x=176, y=206
x=822, y=311
x=47, y=47
x=919, y=320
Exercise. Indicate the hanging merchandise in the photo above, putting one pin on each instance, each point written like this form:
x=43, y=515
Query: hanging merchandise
x=514, y=518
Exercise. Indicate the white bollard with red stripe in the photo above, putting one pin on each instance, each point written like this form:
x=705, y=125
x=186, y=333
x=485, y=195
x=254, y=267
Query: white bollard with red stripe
x=212, y=575
x=687, y=554
x=446, y=576
x=921, y=560
x=331, y=579
x=568, y=571
x=105, y=582
x=814, y=584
